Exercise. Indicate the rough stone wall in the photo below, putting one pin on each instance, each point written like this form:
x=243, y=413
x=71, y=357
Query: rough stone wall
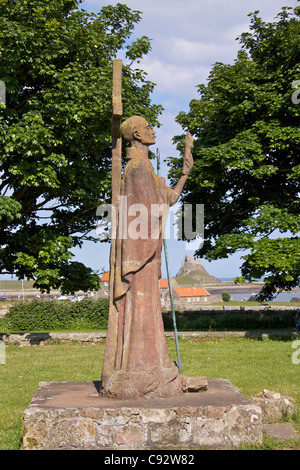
x=223, y=427
x=193, y=422
x=34, y=339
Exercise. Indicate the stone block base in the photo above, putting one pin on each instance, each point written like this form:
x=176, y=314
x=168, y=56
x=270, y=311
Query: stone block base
x=72, y=415
x=274, y=408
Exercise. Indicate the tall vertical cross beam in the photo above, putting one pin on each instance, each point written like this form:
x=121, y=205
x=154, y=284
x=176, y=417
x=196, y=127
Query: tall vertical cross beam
x=116, y=187
x=116, y=138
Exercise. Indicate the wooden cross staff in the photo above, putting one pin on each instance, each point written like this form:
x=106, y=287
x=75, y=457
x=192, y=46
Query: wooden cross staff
x=116, y=163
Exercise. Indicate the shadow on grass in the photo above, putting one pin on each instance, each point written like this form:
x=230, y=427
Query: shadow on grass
x=274, y=335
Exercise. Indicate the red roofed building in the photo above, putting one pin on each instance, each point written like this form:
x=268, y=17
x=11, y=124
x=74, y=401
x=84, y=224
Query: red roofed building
x=104, y=285
x=188, y=297
x=105, y=277
x=192, y=292
x=163, y=284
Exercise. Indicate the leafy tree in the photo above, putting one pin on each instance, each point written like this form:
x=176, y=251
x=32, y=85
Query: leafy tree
x=55, y=135
x=246, y=128
x=226, y=297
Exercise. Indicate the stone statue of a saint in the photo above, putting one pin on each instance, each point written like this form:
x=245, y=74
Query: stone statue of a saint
x=136, y=360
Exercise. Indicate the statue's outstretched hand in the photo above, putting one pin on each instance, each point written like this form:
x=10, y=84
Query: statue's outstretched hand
x=188, y=158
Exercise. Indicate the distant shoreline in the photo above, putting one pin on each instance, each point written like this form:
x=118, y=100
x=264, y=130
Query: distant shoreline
x=13, y=289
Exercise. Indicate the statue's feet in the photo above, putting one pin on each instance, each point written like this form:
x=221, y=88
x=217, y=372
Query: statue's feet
x=160, y=383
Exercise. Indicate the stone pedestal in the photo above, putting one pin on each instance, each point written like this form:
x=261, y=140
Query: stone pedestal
x=72, y=415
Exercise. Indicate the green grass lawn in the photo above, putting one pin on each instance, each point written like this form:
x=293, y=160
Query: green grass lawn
x=251, y=365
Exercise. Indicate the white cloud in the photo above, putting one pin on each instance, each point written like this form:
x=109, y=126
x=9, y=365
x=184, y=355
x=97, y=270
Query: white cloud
x=174, y=78
x=188, y=37
x=199, y=52
x=193, y=18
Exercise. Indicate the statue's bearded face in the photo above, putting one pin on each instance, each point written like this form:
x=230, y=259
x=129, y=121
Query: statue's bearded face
x=144, y=133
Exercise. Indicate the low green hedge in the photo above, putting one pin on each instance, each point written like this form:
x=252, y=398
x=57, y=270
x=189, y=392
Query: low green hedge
x=235, y=320
x=40, y=315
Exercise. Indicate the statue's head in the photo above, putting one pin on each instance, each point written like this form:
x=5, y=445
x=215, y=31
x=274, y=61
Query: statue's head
x=137, y=128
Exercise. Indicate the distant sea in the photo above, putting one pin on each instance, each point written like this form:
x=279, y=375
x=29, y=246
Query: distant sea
x=282, y=297
x=231, y=278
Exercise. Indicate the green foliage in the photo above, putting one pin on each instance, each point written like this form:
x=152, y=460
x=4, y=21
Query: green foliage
x=230, y=320
x=246, y=128
x=9, y=209
x=226, y=296
x=40, y=315
x=55, y=130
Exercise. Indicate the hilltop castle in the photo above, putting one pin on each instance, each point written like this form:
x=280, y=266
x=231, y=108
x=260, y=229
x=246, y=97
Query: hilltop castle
x=193, y=272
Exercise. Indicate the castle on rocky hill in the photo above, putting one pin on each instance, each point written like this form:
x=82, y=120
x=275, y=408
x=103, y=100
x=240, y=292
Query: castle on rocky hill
x=192, y=272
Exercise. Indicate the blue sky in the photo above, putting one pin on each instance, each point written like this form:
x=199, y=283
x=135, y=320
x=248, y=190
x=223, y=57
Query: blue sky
x=188, y=37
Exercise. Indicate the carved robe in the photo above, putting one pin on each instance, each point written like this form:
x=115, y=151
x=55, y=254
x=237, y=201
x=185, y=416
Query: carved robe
x=136, y=360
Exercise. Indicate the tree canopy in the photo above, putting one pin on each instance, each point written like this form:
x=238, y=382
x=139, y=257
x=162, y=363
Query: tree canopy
x=246, y=129
x=55, y=134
